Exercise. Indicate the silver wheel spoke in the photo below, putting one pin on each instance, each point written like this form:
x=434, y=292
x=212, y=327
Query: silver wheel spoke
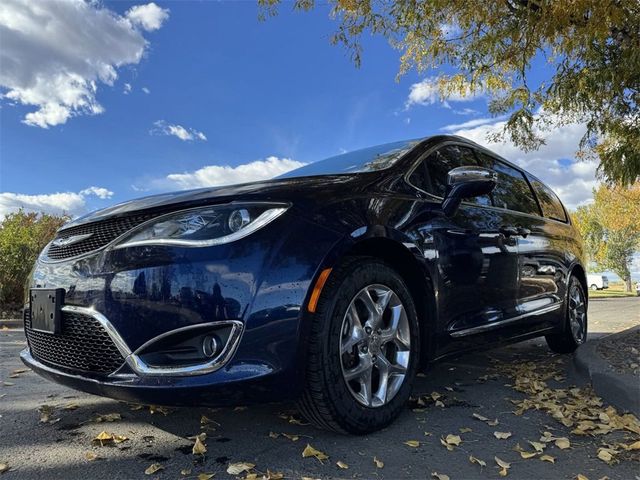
x=361, y=370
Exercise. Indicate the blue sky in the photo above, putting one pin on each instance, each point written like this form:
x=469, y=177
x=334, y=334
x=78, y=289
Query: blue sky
x=244, y=90
x=101, y=102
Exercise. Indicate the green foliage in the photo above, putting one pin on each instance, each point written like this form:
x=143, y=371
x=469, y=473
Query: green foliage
x=592, y=48
x=610, y=228
x=22, y=237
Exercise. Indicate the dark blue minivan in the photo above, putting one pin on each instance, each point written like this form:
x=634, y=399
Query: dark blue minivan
x=332, y=285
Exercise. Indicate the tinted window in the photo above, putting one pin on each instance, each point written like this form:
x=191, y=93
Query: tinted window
x=365, y=160
x=512, y=191
x=551, y=206
x=431, y=175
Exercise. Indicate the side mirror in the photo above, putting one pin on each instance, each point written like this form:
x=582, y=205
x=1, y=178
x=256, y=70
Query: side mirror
x=467, y=182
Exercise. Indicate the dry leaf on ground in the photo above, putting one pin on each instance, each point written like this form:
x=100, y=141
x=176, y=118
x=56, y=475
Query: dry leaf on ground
x=239, y=467
x=379, y=463
x=199, y=448
x=412, y=443
x=473, y=459
x=547, y=458
x=153, y=468
x=502, y=435
x=309, y=451
x=504, y=466
x=342, y=465
x=440, y=476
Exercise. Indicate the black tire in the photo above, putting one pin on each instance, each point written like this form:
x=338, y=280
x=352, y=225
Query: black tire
x=568, y=340
x=327, y=400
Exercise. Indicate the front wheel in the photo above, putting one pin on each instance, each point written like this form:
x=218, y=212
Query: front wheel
x=363, y=349
x=594, y=287
x=574, y=331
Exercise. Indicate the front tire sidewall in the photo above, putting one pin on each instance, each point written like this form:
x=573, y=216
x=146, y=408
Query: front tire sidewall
x=355, y=417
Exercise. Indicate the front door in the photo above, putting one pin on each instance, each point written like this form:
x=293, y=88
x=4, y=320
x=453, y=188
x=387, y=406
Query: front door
x=475, y=264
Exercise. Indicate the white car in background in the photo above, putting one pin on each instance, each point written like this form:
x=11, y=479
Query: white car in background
x=597, y=282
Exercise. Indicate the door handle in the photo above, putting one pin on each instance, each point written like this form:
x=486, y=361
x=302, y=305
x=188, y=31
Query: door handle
x=509, y=231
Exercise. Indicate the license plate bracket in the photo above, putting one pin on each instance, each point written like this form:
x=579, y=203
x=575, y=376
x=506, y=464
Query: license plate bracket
x=46, y=309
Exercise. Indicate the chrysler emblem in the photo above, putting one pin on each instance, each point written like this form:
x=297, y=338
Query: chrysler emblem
x=66, y=241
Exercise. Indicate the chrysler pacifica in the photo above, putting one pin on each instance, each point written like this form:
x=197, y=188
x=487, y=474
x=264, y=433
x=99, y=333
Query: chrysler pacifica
x=331, y=285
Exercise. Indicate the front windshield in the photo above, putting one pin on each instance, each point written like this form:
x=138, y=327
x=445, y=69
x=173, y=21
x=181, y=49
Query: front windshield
x=369, y=159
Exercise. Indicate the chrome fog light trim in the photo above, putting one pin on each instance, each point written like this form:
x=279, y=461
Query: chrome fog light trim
x=142, y=369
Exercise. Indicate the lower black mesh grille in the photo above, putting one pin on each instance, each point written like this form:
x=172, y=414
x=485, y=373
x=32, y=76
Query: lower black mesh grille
x=100, y=234
x=84, y=345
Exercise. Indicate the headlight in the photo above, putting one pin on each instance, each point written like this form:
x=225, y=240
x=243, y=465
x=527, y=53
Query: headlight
x=203, y=227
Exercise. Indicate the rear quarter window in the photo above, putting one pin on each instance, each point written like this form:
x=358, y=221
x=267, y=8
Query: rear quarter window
x=549, y=201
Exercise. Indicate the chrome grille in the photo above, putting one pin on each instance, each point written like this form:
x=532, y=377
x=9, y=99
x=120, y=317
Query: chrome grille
x=102, y=233
x=84, y=345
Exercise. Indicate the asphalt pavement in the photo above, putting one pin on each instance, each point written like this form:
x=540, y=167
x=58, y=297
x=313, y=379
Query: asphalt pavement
x=63, y=446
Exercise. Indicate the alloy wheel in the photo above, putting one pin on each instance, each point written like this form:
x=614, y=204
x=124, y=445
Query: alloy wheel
x=375, y=345
x=577, y=314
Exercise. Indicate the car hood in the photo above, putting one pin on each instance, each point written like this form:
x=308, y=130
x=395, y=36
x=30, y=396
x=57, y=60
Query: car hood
x=295, y=190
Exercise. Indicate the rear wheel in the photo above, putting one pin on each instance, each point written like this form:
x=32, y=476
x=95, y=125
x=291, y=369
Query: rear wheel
x=594, y=287
x=574, y=332
x=363, y=349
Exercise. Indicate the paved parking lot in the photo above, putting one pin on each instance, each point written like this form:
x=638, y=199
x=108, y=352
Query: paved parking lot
x=451, y=393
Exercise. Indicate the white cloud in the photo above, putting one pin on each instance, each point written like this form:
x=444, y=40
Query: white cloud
x=99, y=192
x=427, y=92
x=146, y=90
x=469, y=124
x=183, y=133
x=573, y=181
x=215, y=175
x=127, y=89
x=55, y=54
x=69, y=203
x=150, y=16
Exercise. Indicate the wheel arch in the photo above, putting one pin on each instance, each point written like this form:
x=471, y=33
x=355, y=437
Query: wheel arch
x=577, y=271
x=416, y=277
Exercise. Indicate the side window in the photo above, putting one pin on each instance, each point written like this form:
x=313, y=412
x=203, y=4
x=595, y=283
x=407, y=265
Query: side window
x=512, y=191
x=431, y=174
x=551, y=206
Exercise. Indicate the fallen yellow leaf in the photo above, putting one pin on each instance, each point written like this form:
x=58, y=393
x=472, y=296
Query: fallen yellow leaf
x=537, y=445
x=309, y=451
x=502, y=435
x=547, y=458
x=239, y=467
x=4, y=467
x=379, y=463
x=199, y=448
x=440, y=476
x=342, y=465
x=480, y=417
x=605, y=455
x=185, y=471
x=504, y=466
x=465, y=430
x=412, y=443
x=581, y=477
x=526, y=455
x=453, y=439
x=563, y=443
x=205, y=476
x=473, y=459
x=153, y=468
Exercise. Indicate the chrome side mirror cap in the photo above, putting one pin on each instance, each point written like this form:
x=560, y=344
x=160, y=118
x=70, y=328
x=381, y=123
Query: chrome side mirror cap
x=467, y=182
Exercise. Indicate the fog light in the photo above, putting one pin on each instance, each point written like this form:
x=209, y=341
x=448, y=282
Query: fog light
x=210, y=346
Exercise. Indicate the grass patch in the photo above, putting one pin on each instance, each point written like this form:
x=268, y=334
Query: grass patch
x=616, y=289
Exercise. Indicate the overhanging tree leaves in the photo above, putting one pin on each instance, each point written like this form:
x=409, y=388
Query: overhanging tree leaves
x=610, y=228
x=591, y=46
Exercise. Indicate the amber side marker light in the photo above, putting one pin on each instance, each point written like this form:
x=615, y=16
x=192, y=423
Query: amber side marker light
x=317, y=290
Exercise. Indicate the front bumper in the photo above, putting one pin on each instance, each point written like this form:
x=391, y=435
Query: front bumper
x=260, y=283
